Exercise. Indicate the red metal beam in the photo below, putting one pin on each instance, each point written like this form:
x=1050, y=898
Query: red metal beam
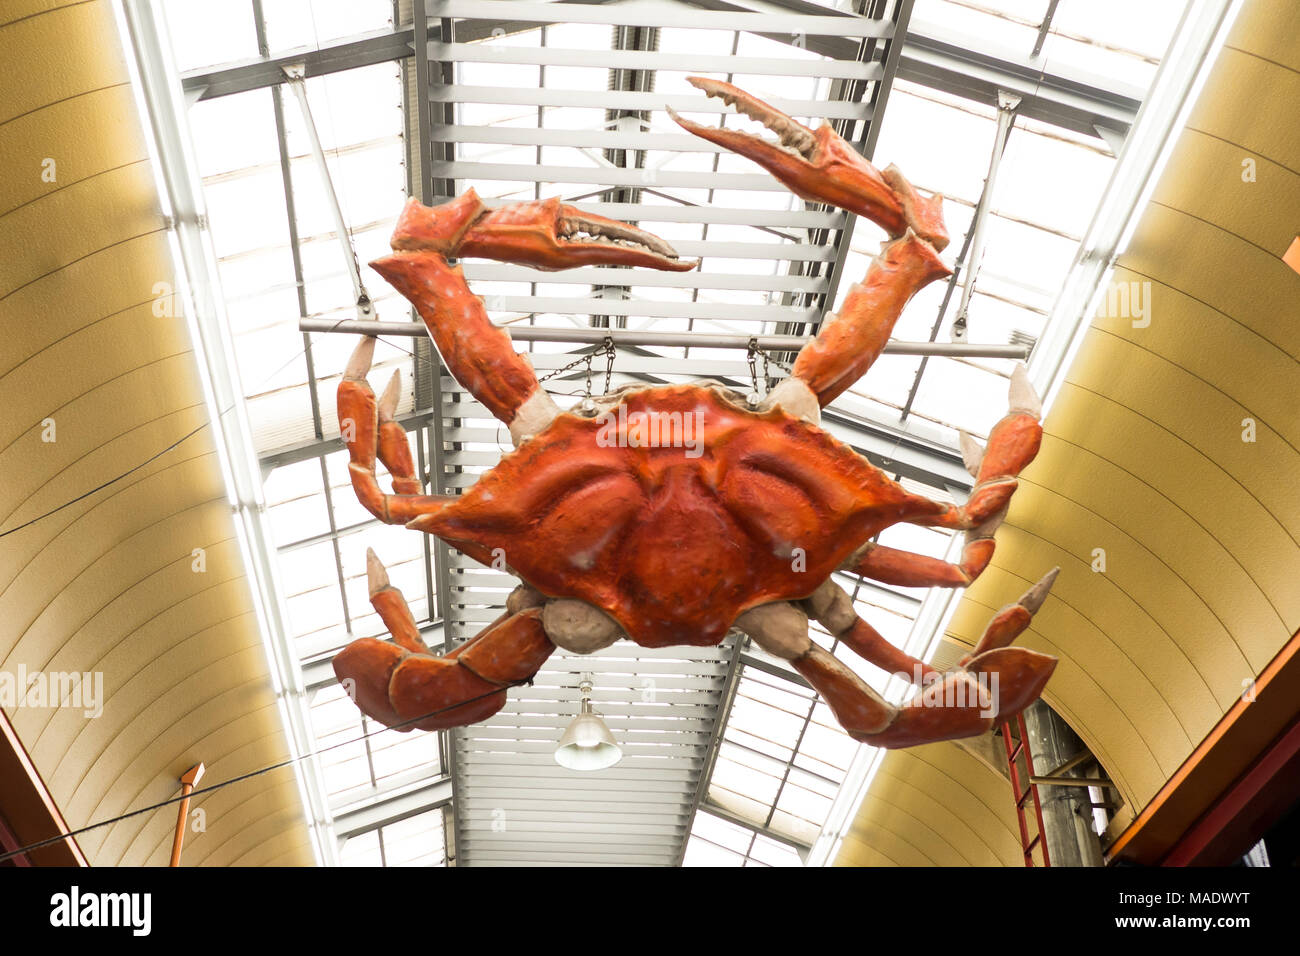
x=1229, y=752
x=28, y=809
x=9, y=843
x=1244, y=814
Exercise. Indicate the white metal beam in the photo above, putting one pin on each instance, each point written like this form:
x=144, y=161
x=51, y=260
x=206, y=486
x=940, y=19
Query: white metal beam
x=162, y=107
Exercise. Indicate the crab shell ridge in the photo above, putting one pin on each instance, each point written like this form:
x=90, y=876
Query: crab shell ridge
x=675, y=510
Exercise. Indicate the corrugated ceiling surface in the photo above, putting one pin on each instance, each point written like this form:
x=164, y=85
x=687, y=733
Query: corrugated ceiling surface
x=107, y=585
x=937, y=805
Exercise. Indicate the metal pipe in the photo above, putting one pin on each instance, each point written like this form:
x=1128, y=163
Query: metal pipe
x=188, y=782
x=1067, y=815
x=1007, y=105
x=594, y=336
x=1071, y=782
x=164, y=111
x=1044, y=27
x=294, y=80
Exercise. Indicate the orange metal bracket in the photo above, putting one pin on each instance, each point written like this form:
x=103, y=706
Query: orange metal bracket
x=1292, y=256
x=188, y=782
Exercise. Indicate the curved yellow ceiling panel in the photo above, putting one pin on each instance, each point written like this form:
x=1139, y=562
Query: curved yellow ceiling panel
x=1268, y=29
x=118, y=652
x=1112, y=691
x=934, y=806
x=1156, y=554
x=1209, y=186
x=1202, y=262
x=1251, y=96
x=80, y=220
x=122, y=277
x=55, y=132
x=149, y=741
x=138, y=841
x=134, y=668
x=107, y=584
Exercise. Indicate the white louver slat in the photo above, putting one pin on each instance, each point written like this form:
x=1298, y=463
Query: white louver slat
x=517, y=806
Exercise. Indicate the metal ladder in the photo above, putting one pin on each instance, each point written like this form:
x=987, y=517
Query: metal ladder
x=1014, y=752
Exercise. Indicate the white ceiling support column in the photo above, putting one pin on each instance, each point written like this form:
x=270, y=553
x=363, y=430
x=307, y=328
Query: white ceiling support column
x=162, y=106
x=294, y=76
x=970, y=267
x=595, y=336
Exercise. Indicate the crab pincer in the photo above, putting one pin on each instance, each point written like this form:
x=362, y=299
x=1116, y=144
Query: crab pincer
x=821, y=166
x=546, y=234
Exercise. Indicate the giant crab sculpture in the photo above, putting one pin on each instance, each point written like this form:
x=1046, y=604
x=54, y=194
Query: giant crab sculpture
x=619, y=537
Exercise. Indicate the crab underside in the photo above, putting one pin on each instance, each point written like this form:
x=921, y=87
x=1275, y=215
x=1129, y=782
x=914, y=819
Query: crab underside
x=670, y=514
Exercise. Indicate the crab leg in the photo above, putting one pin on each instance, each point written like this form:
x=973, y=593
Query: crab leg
x=1011, y=621
x=831, y=606
x=370, y=432
x=993, y=683
x=781, y=629
x=403, y=685
x=820, y=166
x=848, y=342
x=478, y=353
x=1013, y=444
x=881, y=563
x=544, y=235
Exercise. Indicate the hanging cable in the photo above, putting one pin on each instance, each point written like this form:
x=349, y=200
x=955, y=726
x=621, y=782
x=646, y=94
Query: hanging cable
x=152, y=458
x=248, y=776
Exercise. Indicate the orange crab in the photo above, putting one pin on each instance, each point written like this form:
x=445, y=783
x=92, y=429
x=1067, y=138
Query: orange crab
x=670, y=514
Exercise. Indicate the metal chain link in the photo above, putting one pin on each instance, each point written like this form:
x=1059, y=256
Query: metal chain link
x=751, y=355
x=768, y=381
x=609, y=351
x=609, y=361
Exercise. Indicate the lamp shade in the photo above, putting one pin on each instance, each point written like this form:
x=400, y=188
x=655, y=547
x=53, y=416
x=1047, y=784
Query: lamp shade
x=587, y=743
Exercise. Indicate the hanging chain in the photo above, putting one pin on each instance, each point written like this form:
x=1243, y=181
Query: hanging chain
x=588, y=403
x=752, y=355
x=768, y=381
x=583, y=360
x=608, y=349
x=609, y=361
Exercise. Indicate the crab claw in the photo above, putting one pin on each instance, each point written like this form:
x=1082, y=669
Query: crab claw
x=545, y=235
x=820, y=166
x=1011, y=621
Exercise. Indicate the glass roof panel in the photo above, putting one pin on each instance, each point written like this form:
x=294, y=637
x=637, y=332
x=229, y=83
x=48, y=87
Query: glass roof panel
x=1117, y=39
x=718, y=842
x=294, y=24
x=205, y=33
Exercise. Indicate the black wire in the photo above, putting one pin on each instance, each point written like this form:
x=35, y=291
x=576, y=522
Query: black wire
x=68, y=504
x=247, y=776
x=153, y=458
x=81, y=497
